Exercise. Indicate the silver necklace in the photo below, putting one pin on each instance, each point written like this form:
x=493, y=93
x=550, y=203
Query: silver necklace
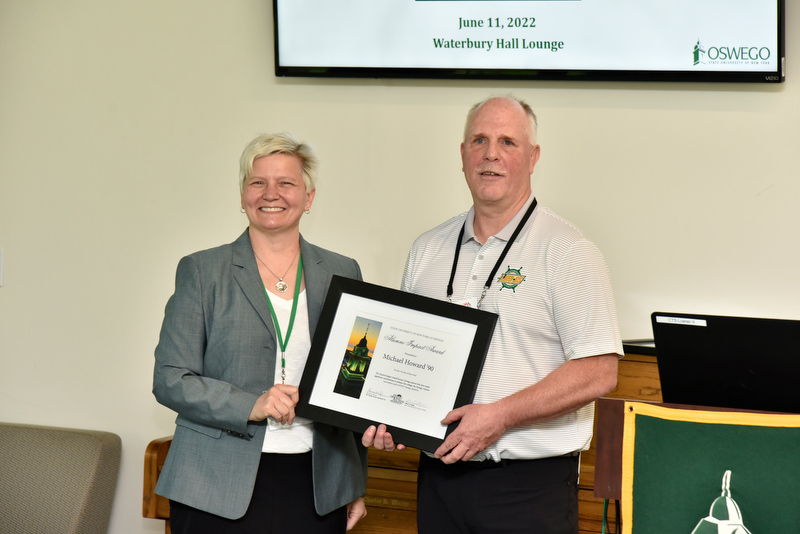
x=281, y=286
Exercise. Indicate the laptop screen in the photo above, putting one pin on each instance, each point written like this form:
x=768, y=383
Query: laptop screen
x=728, y=362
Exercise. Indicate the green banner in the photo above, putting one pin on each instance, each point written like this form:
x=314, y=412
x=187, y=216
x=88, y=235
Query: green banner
x=698, y=472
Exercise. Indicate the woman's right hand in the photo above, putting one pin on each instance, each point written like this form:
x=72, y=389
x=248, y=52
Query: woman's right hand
x=277, y=402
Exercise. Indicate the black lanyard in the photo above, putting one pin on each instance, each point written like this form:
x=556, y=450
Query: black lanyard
x=488, y=283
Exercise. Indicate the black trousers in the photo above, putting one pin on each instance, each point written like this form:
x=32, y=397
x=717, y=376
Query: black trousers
x=282, y=503
x=514, y=496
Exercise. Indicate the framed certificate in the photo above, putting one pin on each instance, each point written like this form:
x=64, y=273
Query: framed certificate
x=380, y=355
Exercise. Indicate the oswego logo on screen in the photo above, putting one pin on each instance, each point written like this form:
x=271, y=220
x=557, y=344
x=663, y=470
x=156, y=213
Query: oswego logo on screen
x=730, y=55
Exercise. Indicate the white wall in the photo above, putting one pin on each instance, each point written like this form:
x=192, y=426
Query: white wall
x=120, y=128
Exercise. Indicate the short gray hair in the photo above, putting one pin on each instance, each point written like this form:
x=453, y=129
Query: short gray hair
x=533, y=121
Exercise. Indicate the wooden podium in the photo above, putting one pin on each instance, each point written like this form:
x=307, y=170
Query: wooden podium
x=609, y=434
x=609, y=424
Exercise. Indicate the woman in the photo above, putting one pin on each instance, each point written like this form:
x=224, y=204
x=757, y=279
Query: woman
x=233, y=345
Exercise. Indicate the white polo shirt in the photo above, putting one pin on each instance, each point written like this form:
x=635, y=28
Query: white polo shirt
x=554, y=302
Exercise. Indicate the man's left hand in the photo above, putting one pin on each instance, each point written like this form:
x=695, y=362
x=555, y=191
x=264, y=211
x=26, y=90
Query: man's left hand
x=480, y=426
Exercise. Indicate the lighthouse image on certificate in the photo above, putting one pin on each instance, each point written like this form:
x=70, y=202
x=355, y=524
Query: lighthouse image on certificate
x=357, y=357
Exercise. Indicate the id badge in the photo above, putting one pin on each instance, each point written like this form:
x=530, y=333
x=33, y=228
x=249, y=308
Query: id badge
x=471, y=302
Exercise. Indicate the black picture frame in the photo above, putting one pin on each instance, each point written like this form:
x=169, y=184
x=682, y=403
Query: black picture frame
x=431, y=357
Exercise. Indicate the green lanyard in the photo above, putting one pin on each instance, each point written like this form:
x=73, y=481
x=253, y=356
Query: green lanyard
x=285, y=342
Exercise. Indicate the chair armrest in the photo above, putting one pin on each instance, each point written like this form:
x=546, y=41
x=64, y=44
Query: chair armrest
x=154, y=506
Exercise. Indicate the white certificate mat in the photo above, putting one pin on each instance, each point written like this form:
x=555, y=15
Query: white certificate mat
x=384, y=356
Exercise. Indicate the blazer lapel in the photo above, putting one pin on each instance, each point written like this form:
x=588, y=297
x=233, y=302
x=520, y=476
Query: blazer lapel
x=317, y=279
x=249, y=280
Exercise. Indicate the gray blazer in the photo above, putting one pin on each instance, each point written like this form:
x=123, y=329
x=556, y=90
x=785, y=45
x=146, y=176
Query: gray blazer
x=215, y=357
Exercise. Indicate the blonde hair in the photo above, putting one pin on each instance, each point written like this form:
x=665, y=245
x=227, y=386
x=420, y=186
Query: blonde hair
x=279, y=143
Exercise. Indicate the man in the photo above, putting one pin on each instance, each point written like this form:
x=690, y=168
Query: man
x=511, y=465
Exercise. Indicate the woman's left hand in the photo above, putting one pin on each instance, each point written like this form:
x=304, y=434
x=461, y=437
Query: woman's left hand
x=356, y=511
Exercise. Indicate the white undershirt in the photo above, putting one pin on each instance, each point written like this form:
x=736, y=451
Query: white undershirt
x=297, y=437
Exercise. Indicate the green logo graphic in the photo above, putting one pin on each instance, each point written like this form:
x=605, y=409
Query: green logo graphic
x=511, y=279
x=698, y=52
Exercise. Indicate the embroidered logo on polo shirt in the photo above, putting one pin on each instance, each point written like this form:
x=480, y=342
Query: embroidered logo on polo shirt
x=511, y=279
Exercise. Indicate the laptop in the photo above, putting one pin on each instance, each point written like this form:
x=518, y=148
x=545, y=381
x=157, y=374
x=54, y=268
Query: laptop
x=729, y=362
